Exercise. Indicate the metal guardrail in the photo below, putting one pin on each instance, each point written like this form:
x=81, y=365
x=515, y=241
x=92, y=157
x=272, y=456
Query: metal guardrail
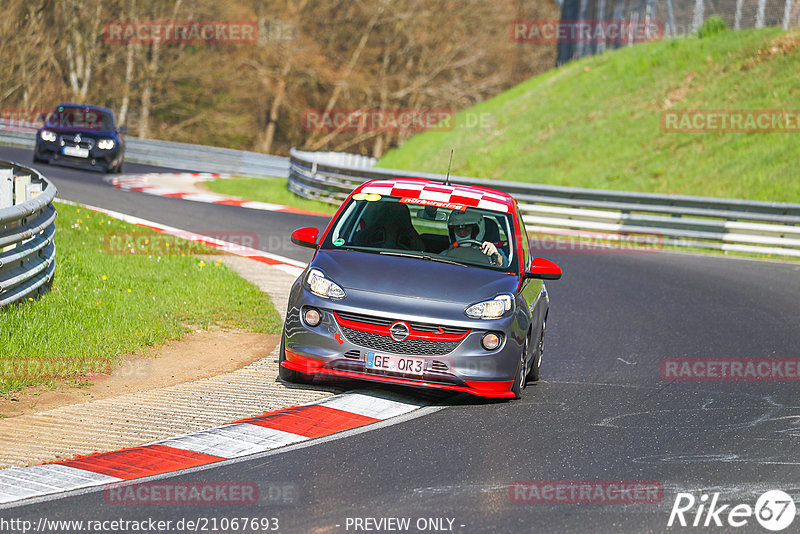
x=184, y=156
x=205, y=158
x=677, y=220
x=27, y=230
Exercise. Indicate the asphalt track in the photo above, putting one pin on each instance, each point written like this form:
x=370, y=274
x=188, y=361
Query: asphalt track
x=602, y=411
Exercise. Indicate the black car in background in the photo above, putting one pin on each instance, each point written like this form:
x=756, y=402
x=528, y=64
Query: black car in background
x=82, y=135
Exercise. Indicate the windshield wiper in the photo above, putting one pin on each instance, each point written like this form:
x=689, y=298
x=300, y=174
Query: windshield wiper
x=423, y=257
x=357, y=248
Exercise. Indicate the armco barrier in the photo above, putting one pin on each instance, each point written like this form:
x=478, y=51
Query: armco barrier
x=176, y=155
x=678, y=220
x=27, y=229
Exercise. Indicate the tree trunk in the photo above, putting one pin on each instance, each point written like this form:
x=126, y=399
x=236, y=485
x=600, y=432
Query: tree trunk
x=126, y=88
x=762, y=6
x=699, y=16
x=81, y=51
x=122, y=117
x=274, y=111
x=147, y=90
x=380, y=140
x=151, y=71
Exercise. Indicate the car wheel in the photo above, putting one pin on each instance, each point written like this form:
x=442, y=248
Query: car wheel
x=533, y=374
x=520, y=378
x=289, y=375
x=37, y=159
x=118, y=168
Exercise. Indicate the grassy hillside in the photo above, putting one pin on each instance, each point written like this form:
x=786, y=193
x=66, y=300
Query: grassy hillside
x=596, y=122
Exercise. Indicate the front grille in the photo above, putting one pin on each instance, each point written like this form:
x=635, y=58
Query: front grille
x=368, y=319
x=86, y=142
x=419, y=327
x=354, y=354
x=387, y=344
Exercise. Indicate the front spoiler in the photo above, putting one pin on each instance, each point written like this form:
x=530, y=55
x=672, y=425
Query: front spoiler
x=481, y=388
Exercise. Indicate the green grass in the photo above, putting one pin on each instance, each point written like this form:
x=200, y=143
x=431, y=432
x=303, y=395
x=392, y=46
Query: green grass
x=596, y=122
x=105, y=305
x=268, y=190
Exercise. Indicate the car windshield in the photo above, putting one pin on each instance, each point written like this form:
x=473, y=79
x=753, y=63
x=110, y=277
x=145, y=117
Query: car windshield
x=80, y=119
x=391, y=225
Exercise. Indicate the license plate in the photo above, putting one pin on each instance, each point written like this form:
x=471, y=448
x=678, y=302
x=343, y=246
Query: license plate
x=397, y=364
x=76, y=151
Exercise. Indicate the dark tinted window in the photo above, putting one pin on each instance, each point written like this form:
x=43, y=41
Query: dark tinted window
x=377, y=224
x=80, y=119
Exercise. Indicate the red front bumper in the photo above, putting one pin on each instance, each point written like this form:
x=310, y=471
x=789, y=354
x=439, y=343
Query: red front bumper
x=500, y=389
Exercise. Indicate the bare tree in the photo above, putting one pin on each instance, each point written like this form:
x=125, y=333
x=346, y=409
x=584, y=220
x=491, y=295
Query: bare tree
x=363, y=54
x=30, y=59
x=342, y=82
x=122, y=116
x=282, y=53
x=151, y=72
x=81, y=47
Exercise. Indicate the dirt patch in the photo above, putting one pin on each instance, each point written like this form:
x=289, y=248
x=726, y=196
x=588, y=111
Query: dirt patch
x=780, y=46
x=199, y=355
x=678, y=94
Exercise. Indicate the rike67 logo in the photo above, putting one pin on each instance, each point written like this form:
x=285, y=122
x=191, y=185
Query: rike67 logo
x=774, y=510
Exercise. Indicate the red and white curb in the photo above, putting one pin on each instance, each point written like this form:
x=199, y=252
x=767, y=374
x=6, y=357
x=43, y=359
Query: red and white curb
x=254, y=435
x=238, y=440
x=143, y=183
x=282, y=263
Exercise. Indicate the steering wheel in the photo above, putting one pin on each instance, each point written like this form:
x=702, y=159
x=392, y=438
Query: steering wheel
x=468, y=253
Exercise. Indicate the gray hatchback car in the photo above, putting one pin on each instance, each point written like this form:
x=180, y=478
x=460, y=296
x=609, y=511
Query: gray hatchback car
x=422, y=284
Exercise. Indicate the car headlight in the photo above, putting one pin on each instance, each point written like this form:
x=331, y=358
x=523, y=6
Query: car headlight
x=491, y=309
x=48, y=136
x=105, y=144
x=323, y=287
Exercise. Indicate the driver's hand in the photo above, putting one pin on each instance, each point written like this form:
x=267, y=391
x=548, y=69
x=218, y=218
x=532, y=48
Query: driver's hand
x=490, y=250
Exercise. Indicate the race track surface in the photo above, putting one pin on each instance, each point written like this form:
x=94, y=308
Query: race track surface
x=602, y=411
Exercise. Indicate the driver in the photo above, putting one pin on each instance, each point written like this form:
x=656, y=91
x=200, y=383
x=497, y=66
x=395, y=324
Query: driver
x=468, y=229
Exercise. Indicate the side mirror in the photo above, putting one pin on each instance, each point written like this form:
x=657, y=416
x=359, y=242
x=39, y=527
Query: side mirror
x=123, y=130
x=305, y=237
x=543, y=269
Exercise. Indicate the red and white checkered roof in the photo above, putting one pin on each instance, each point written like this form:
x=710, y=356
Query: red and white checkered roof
x=436, y=192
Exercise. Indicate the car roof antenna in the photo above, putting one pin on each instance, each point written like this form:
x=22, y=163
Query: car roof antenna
x=447, y=178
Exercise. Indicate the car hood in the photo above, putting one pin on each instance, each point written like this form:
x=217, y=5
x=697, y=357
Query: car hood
x=413, y=277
